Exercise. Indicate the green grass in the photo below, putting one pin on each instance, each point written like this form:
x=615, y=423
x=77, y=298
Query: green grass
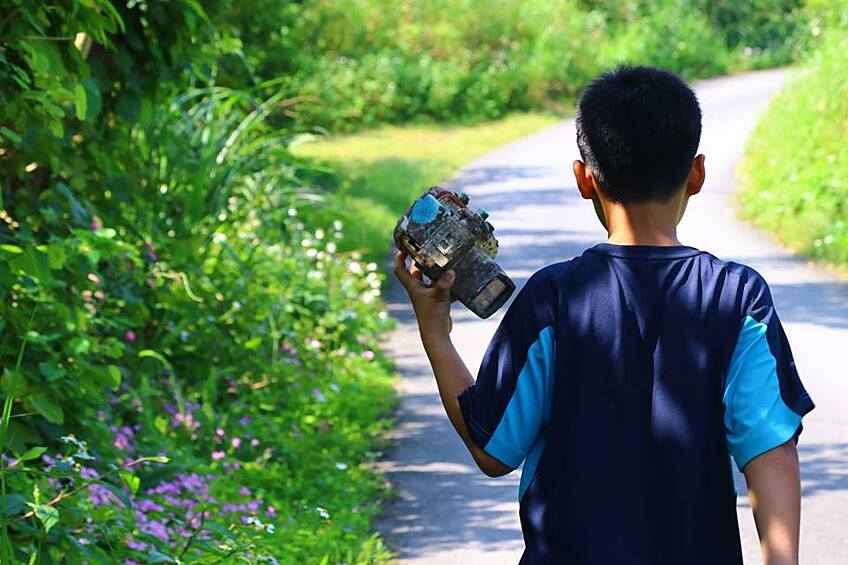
x=381, y=171
x=796, y=169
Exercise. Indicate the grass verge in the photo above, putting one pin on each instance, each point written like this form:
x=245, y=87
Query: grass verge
x=795, y=175
x=381, y=171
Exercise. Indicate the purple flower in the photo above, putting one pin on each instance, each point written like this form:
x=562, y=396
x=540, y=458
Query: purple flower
x=236, y=442
x=271, y=511
x=136, y=545
x=129, y=336
x=244, y=491
x=154, y=528
x=216, y=455
x=245, y=420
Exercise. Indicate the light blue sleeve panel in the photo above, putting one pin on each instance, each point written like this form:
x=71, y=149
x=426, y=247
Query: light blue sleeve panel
x=755, y=416
x=529, y=408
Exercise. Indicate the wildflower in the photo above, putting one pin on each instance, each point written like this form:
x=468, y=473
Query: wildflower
x=244, y=491
x=341, y=466
x=129, y=336
x=216, y=455
x=219, y=432
x=244, y=421
x=322, y=512
x=368, y=354
x=319, y=396
x=271, y=511
x=254, y=442
x=96, y=224
x=236, y=442
x=136, y=545
x=93, y=278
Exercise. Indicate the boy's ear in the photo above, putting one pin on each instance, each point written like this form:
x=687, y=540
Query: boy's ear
x=586, y=183
x=696, y=177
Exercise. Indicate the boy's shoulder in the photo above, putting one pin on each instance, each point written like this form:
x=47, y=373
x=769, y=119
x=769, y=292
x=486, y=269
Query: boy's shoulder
x=586, y=271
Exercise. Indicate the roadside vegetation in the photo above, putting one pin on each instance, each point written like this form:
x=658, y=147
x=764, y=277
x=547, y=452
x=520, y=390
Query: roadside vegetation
x=382, y=170
x=189, y=291
x=796, y=170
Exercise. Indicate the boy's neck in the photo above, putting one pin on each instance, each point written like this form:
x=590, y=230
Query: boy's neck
x=649, y=223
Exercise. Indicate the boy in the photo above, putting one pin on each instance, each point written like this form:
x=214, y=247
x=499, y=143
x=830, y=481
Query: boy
x=626, y=378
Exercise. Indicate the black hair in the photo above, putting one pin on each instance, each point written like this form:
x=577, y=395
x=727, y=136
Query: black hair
x=638, y=129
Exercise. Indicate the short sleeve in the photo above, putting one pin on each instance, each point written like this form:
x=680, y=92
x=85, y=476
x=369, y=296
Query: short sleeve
x=509, y=404
x=764, y=399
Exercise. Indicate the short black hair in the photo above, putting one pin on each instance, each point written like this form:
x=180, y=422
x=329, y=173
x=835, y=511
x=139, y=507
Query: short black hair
x=638, y=129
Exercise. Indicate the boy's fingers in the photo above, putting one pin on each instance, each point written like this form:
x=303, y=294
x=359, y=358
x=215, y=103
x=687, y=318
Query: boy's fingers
x=400, y=270
x=416, y=272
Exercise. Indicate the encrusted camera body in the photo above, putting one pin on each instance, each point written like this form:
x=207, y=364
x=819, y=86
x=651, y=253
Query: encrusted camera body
x=439, y=232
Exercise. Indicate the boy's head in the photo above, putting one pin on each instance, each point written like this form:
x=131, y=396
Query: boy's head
x=638, y=130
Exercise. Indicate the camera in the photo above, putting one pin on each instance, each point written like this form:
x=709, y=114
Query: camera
x=439, y=232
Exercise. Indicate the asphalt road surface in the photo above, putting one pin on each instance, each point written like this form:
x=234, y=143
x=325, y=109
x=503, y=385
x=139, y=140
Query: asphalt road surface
x=446, y=511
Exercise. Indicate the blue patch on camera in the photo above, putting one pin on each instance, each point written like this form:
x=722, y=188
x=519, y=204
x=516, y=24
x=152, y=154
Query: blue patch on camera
x=425, y=210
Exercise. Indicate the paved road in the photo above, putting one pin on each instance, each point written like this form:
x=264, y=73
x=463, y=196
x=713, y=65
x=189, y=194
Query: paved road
x=446, y=511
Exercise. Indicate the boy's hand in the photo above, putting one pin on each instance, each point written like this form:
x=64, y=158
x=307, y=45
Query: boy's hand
x=431, y=303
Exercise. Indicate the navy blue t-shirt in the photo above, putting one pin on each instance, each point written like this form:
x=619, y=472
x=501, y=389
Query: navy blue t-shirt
x=625, y=380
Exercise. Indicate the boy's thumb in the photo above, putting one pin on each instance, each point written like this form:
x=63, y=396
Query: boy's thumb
x=446, y=280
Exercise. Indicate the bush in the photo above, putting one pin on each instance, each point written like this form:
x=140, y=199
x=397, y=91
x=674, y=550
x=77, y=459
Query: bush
x=796, y=165
x=190, y=371
x=371, y=62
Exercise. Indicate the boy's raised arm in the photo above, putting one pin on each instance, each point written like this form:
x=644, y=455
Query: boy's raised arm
x=774, y=487
x=432, y=309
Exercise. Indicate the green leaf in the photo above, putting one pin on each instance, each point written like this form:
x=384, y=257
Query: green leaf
x=157, y=557
x=159, y=459
x=253, y=343
x=81, y=101
x=33, y=263
x=114, y=376
x=32, y=453
x=11, y=249
x=15, y=504
x=51, y=370
x=119, y=492
x=56, y=255
x=13, y=382
x=47, y=407
x=155, y=355
x=94, y=101
x=130, y=480
x=80, y=345
x=10, y=134
x=47, y=515
x=161, y=424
